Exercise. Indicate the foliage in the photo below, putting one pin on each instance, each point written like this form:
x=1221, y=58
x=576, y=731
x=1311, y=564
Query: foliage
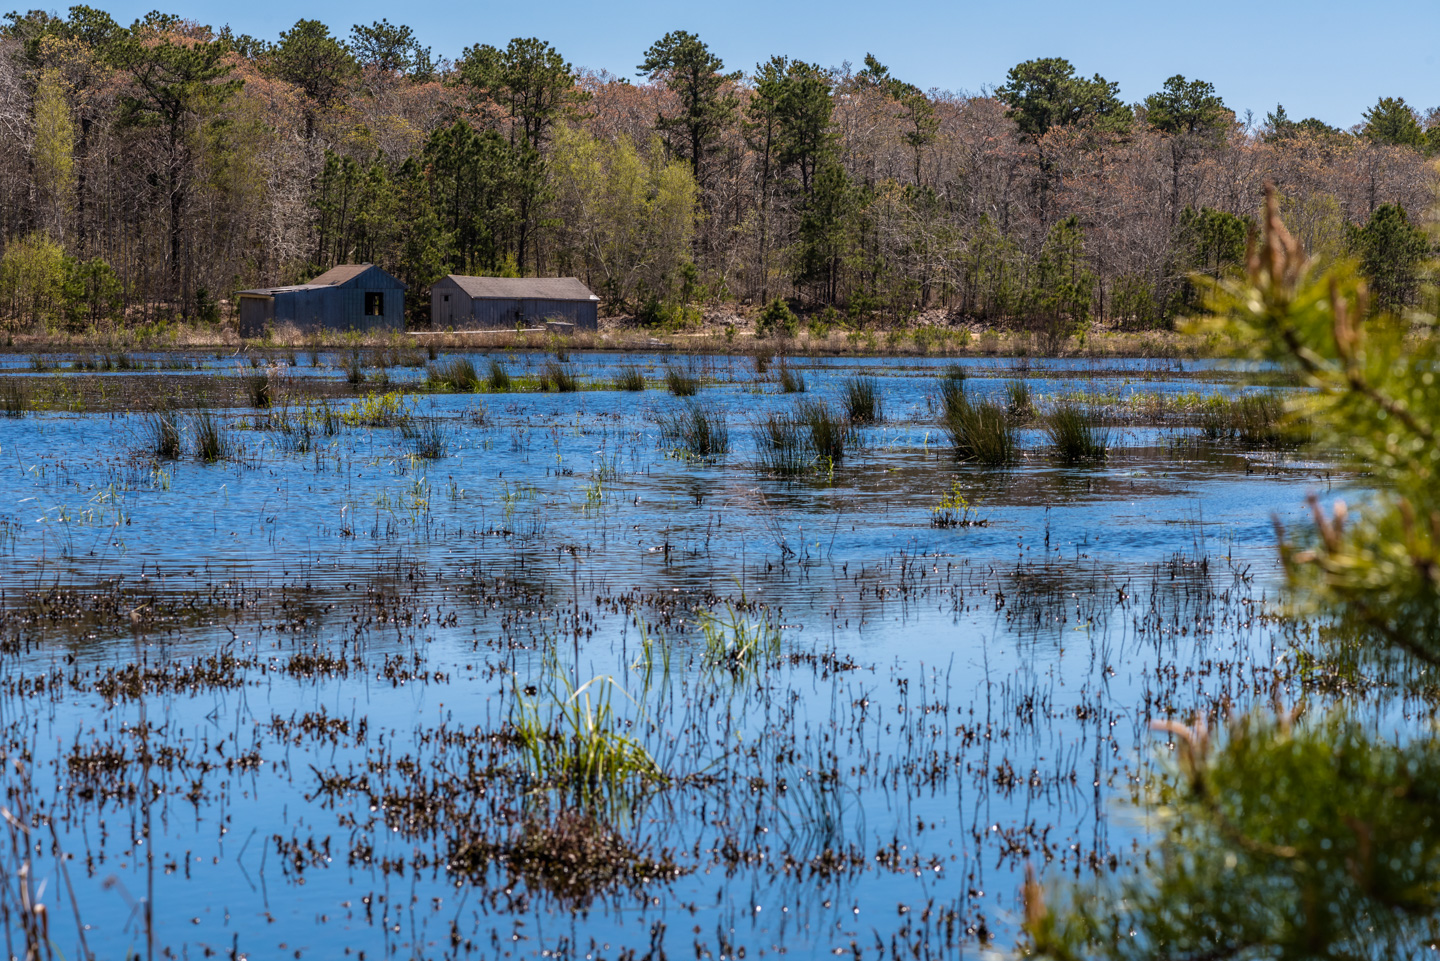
x=1390, y=250
x=1310, y=837
x=1392, y=121
x=776, y=319
x=1045, y=93
x=1075, y=433
x=982, y=431
x=861, y=396
x=457, y=374
x=696, y=76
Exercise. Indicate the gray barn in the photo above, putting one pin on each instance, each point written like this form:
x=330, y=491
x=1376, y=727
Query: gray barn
x=471, y=303
x=348, y=297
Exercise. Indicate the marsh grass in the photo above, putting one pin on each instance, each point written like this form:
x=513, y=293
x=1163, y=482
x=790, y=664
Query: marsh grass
x=456, y=374
x=162, y=434
x=829, y=431
x=497, y=378
x=352, y=362
x=738, y=645
x=13, y=399
x=211, y=438
x=681, y=383
x=952, y=388
x=698, y=431
x=783, y=446
x=955, y=510
x=762, y=359
x=1257, y=419
x=257, y=390
x=554, y=377
x=791, y=381
x=1076, y=433
x=1018, y=402
x=428, y=437
x=861, y=397
x=982, y=431
x=577, y=856
x=630, y=378
x=579, y=745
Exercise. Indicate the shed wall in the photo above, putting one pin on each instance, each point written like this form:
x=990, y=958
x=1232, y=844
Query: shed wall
x=255, y=313
x=454, y=312
x=505, y=313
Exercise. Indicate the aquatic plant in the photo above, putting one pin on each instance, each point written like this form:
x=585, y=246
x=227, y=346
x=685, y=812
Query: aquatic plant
x=377, y=410
x=13, y=399
x=630, y=378
x=982, y=431
x=681, y=383
x=1018, y=402
x=428, y=437
x=580, y=745
x=955, y=510
x=1257, y=419
x=352, y=362
x=862, y=400
x=952, y=389
x=557, y=378
x=498, y=378
x=211, y=438
x=698, y=430
x=829, y=431
x=1076, y=433
x=783, y=445
x=791, y=381
x=456, y=374
x=257, y=390
x=737, y=644
x=163, y=434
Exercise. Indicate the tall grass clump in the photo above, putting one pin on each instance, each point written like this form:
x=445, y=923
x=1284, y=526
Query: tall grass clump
x=982, y=431
x=352, y=362
x=783, y=445
x=257, y=390
x=1257, y=419
x=681, y=383
x=581, y=746
x=829, y=431
x=697, y=431
x=212, y=439
x=791, y=380
x=862, y=400
x=162, y=430
x=738, y=645
x=457, y=374
x=429, y=440
x=952, y=388
x=630, y=378
x=498, y=378
x=13, y=400
x=1018, y=402
x=557, y=378
x=1076, y=433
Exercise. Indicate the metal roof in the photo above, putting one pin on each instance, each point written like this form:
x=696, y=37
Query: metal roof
x=268, y=291
x=340, y=274
x=524, y=288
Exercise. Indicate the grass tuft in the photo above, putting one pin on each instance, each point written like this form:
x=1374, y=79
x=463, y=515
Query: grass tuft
x=698, y=431
x=982, y=431
x=829, y=431
x=862, y=400
x=791, y=380
x=13, y=399
x=1076, y=433
x=456, y=374
x=681, y=383
x=498, y=378
x=630, y=378
x=163, y=430
x=212, y=439
x=557, y=378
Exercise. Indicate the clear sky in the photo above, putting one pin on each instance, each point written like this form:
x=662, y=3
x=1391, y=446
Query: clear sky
x=1325, y=58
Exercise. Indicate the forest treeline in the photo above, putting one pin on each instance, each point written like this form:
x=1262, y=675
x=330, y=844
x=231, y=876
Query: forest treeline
x=149, y=171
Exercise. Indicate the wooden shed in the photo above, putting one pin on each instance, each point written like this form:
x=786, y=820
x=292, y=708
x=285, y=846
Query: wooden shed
x=478, y=303
x=348, y=297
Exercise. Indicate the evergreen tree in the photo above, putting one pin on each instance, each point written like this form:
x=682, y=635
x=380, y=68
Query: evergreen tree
x=1041, y=94
x=1391, y=250
x=1392, y=121
x=707, y=107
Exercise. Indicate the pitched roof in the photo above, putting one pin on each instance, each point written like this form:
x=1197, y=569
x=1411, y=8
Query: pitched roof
x=524, y=288
x=339, y=275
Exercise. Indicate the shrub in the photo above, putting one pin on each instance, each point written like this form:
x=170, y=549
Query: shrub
x=776, y=319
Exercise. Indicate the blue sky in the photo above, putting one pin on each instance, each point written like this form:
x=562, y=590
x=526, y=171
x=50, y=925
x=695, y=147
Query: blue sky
x=1322, y=58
